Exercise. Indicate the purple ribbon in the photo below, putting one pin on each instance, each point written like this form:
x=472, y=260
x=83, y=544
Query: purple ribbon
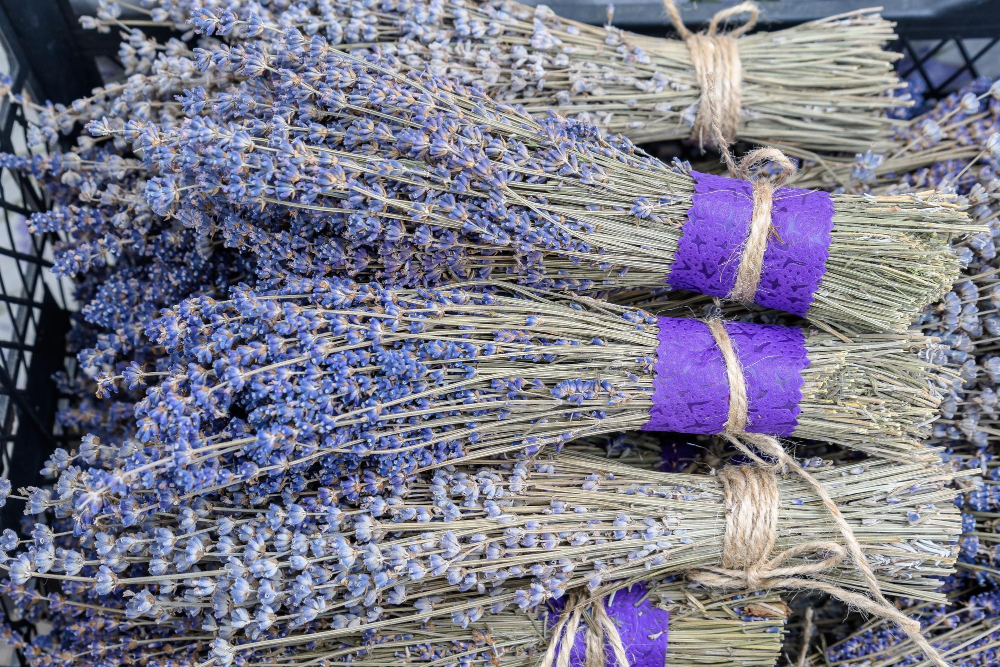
x=708, y=254
x=642, y=627
x=691, y=389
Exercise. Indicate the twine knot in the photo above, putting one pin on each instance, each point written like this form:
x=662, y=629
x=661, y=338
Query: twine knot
x=600, y=628
x=761, y=228
x=752, y=503
x=715, y=54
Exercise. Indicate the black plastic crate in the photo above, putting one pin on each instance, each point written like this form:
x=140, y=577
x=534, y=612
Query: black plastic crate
x=37, y=52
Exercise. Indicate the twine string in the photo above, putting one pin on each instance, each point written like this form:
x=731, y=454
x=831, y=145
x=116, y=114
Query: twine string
x=745, y=563
x=739, y=404
x=610, y=631
x=567, y=625
x=751, y=495
x=600, y=628
x=594, y=638
x=715, y=54
x=751, y=265
x=806, y=638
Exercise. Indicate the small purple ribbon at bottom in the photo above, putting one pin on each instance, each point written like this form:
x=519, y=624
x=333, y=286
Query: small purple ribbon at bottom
x=691, y=387
x=642, y=627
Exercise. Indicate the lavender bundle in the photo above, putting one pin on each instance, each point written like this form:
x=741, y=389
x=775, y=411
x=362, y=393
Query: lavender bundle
x=980, y=543
x=108, y=617
x=414, y=178
x=511, y=534
x=664, y=624
x=716, y=630
x=965, y=320
x=334, y=372
x=944, y=139
x=836, y=78
x=126, y=261
x=967, y=635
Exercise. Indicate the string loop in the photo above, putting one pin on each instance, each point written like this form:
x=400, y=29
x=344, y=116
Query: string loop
x=715, y=54
x=751, y=264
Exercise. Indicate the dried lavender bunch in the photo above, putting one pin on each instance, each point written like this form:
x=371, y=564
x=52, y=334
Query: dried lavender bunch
x=715, y=630
x=509, y=533
x=965, y=320
x=412, y=170
x=84, y=621
x=967, y=324
x=749, y=627
x=955, y=130
x=126, y=261
x=333, y=373
x=967, y=634
x=836, y=78
x=979, y=559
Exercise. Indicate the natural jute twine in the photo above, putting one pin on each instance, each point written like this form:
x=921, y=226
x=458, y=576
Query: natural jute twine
x=751, y=502
x=716, y=55
x=599, y=627
x=751, y=264
x=752, y=258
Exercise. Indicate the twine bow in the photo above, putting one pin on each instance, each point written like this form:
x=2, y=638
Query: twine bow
x=600, y=627
x=751, y=521
x=715, y=55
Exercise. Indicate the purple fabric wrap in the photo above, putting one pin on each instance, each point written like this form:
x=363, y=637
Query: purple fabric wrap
x=691, y=390
x=643, y=629
x=708, y=254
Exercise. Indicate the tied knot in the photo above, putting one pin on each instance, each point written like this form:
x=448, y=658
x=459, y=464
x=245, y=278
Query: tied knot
x=751, y=265
x=751, y=504
x=773, y=573
x=715, y=55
